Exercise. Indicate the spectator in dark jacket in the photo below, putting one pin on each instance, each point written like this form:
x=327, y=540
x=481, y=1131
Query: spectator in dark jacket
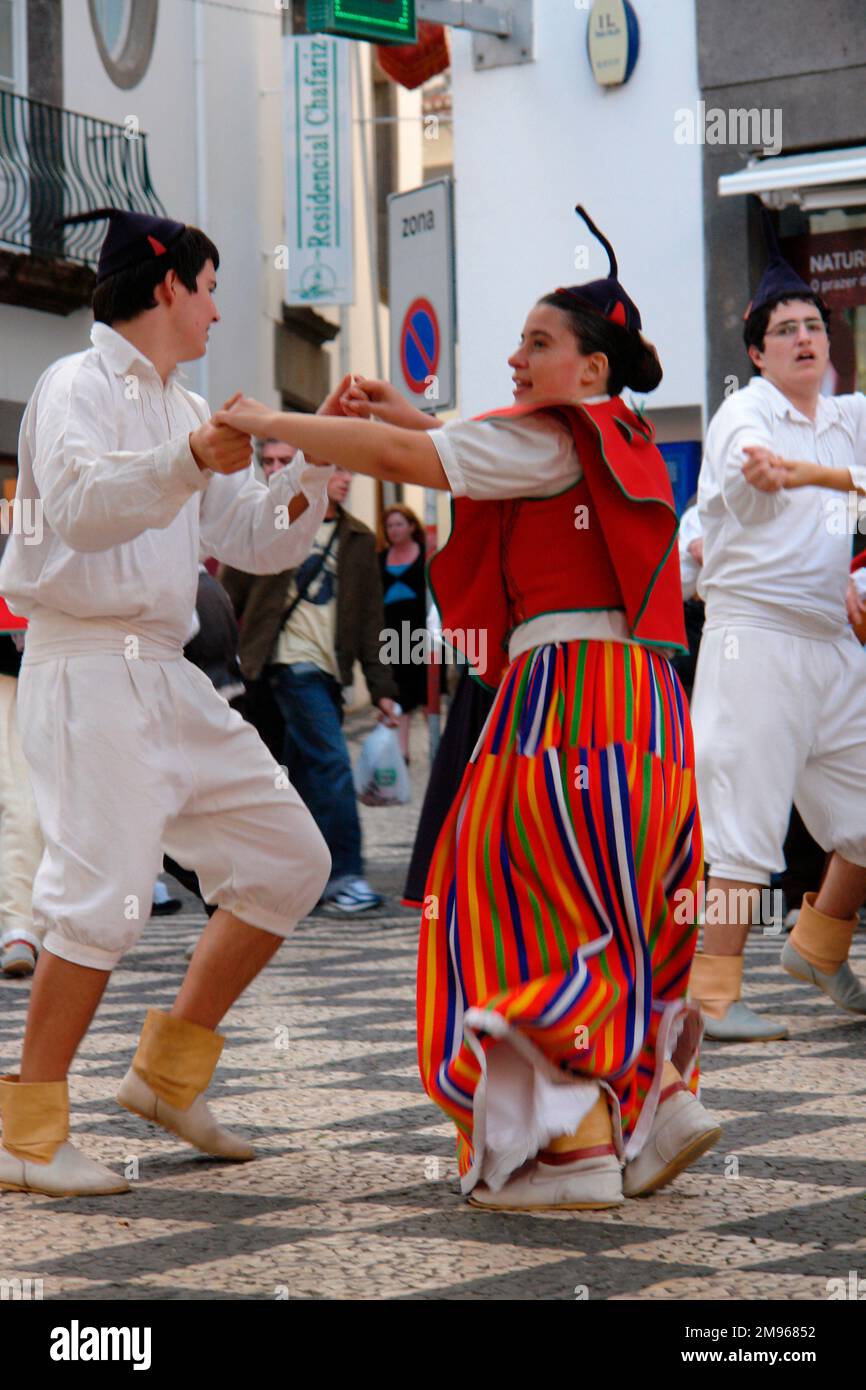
x=306, y=629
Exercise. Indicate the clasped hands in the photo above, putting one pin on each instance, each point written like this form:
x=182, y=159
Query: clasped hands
x=219, y=446
x=768, y=472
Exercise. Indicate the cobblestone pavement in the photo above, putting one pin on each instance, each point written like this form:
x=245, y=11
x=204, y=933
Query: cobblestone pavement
x=354, y=1193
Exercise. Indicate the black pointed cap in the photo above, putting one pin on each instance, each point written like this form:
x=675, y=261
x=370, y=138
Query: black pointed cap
x=607, y=297
x=132, y=238
x=780, y=280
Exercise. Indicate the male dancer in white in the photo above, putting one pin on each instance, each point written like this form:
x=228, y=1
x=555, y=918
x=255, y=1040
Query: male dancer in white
x=778, y=708
x=130, y=747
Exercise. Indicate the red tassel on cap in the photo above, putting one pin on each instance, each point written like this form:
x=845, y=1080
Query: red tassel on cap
x=617, y=313
x=158, y=248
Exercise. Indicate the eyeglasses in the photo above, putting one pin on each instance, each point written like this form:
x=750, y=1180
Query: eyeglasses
x=814, y=327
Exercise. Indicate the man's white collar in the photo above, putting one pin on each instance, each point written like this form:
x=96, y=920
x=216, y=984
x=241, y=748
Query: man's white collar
x=826, y=413
x=119, y=352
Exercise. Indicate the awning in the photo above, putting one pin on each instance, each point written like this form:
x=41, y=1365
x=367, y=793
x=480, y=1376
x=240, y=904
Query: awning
x=812, y=182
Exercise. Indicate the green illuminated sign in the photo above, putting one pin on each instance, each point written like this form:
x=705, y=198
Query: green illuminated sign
x=379, y=21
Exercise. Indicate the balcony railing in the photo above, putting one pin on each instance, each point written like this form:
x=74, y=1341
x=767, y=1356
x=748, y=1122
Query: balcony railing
x=54, y=163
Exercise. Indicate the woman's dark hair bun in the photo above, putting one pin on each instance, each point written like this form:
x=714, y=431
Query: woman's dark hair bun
x=644, y=371
x=632, y=361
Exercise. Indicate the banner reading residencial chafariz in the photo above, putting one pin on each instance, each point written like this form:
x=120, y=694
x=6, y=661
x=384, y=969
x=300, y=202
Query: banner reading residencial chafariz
x=318, y=188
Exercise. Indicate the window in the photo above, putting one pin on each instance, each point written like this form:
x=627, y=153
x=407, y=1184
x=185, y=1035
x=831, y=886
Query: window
x=124, y=31
x=828, y=248
x=12, y=64
x=7, y=64
x=112, y=18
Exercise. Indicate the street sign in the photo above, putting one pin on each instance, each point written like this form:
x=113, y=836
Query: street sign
x=421, y=294
x=318, y=183
x=378, y=21
x=420, y=343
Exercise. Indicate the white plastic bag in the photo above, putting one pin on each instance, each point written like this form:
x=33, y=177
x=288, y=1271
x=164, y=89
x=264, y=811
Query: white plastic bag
x=381, y=775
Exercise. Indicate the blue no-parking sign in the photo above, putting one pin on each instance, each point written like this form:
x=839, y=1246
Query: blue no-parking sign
x=421, y=294
x=420, y=344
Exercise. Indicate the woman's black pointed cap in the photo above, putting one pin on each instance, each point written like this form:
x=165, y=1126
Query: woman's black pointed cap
x=780, y=280
x=132, y=238
x=607, y=297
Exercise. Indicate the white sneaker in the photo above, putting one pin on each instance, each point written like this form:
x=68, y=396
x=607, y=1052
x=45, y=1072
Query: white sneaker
x=352, y=896
x=69, y=1174
x=196, y=1125
x=18, y=958
x=681, y=1131
x=587, y=1184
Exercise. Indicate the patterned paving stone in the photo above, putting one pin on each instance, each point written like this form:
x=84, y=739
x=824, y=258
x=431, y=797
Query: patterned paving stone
x=355, y=1193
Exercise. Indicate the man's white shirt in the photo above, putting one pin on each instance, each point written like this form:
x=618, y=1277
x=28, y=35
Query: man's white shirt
x=779, y=559
x=126, y=511
x=690, y=569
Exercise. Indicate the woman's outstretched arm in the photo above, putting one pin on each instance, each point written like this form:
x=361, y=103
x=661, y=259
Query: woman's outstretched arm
x=365, y=398
x=362, y=446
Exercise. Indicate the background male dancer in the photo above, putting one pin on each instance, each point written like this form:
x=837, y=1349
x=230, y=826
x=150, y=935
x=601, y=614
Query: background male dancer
x=778, y=707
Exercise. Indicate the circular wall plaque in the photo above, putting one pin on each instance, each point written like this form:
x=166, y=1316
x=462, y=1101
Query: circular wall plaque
x=612, y=41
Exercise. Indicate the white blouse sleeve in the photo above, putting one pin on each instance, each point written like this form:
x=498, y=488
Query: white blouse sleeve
x=524, y=457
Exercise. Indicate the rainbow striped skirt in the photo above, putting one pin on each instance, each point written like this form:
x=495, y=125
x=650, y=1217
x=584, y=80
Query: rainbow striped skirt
x=555, y=942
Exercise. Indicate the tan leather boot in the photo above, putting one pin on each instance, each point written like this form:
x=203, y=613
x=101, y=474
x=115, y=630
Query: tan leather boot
x=170, y=1072
x=817, y=951
x=715, y=984
x=36, y=1155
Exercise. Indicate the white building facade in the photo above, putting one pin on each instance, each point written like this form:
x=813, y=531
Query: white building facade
x=534, y=139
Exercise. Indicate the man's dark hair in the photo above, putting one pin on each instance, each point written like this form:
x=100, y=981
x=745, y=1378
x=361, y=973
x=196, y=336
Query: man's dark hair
x=130, y=292
x=755, y=327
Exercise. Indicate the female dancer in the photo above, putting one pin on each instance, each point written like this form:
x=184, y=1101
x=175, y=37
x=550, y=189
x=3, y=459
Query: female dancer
x=558, y=934
x=404, y=590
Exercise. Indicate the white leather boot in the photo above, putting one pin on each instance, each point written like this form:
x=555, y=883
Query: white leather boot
x=576, y=1172
x=682, y=1130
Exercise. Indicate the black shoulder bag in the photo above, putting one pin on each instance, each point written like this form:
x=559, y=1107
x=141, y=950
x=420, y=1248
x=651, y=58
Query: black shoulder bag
x=313, y=573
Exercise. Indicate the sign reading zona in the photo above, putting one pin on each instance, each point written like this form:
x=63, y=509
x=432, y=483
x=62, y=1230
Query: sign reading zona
x=422, y=327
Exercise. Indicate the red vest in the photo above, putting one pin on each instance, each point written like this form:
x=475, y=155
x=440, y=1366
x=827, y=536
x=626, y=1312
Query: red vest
x=607, y=542
x=9, y=621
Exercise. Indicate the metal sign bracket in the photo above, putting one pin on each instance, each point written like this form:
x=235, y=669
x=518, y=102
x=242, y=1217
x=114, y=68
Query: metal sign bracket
x=503, y=32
